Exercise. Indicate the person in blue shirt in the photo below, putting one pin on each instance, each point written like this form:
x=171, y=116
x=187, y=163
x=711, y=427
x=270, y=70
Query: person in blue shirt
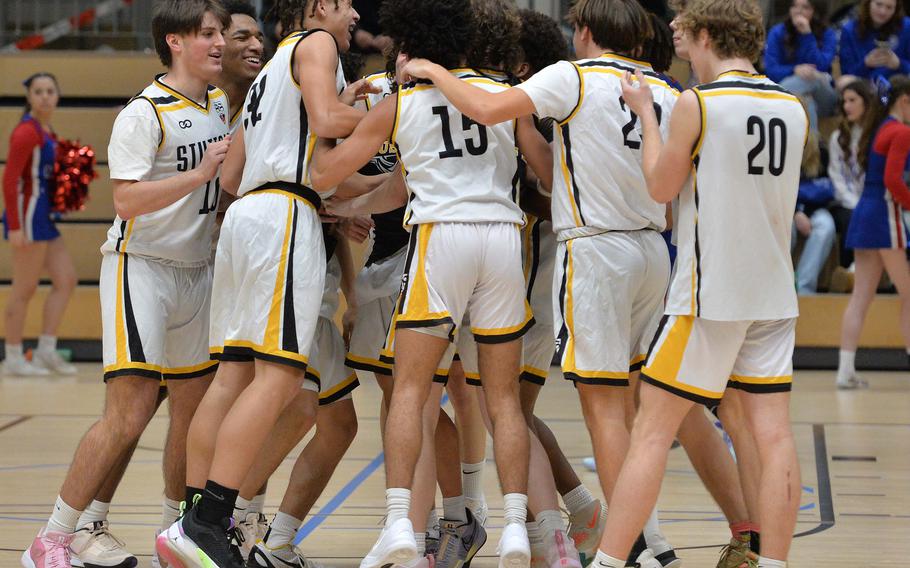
x=876, y=43
x=798, y=55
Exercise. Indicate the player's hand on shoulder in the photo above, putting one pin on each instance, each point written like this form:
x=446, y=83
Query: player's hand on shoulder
x=417, y=69
x=214, y=155
x=637, y=93
x=357, y=91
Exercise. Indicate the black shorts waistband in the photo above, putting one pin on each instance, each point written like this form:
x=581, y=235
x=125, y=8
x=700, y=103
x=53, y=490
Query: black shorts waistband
x=301, y=191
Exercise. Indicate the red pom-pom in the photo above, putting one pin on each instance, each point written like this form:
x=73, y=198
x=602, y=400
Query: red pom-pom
x=73, y=172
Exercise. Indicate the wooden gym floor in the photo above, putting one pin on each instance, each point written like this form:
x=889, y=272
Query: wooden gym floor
x=854, y=449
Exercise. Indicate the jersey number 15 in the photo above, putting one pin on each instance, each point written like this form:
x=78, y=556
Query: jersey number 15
x=474, y=147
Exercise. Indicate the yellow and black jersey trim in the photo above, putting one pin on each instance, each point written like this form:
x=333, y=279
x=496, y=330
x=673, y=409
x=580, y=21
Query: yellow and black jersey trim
x=210, y=93
x=151, y=101
x=339, y=391
x=368, y=365
x=533, y=376
x=663, y=366
x=505, y=334
x=761, y=385
x=618, y=70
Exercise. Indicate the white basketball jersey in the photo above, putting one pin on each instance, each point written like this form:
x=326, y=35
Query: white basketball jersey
x=734, y=222
x=598, y=184
x=456, y=170
x=181, y=232
x=386, y=159
x=279, y=143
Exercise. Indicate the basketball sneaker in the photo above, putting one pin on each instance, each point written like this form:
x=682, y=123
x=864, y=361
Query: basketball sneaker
x=851, y=382
x=514, y=550
x=585, y=529
x=396, y=545
x=252, y=530
x=95, y=546
x=478, y=508
x=646, y=560
x=559, y=552
x=669, y=559
x=737, y=554
x=460, y=542
x=261, y=556
x=48, y=550
x=157, y=562
x=53, y=362
x=190, y=542
x=16, y=367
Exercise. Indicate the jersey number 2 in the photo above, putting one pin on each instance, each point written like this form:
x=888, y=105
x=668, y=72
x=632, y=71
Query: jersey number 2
x=474, y=147
x=776, y=135
x=629, y=127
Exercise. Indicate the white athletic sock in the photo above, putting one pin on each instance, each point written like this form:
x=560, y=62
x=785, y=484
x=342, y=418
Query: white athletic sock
x=515, y=508
x=64, y=518
x=257, y=505
x=846, y=366
x=170, y=512
x=47, y=343
x=433, y=522
x=14, y=351
x=472, y=480
x=421, y=538
x=96, y=512
x=397, y=503
x=534, y=533
x=769, y=563
x=550, y=521
x=605, y=561
x=653, y=537
x=282, y=530
x=453, y=509
x=577, y=499
x=240, y=509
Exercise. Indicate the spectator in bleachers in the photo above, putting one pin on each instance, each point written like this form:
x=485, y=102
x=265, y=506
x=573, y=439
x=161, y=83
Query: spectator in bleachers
x=799, y=54
x=876, y=43
x=878, y=231
x=856, y=105
x=28, y=225
x=813, y=220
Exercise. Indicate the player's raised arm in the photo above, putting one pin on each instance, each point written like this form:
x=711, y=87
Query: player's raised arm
x=329, y=117
x=480, y=105
x=331, y=166
x=666, y=166
x=390, y=195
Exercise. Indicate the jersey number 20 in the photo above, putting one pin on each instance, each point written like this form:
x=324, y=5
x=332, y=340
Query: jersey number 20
x=775, y=133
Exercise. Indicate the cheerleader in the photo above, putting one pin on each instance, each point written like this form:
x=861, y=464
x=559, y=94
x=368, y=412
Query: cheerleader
x=878, y=232
x=28, y=225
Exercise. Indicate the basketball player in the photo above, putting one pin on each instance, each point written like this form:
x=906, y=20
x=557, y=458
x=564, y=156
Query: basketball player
x=472, y=213
x=606, y=223
x=267, y=294
x=740, y=137
x=165, y=150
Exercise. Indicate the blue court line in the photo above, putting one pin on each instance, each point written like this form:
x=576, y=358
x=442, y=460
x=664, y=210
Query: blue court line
x=339, y=498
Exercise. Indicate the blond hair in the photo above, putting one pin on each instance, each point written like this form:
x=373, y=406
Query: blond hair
x=735, y=27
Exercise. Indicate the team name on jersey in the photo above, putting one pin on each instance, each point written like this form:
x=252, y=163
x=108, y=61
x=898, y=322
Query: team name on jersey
x=190, y=155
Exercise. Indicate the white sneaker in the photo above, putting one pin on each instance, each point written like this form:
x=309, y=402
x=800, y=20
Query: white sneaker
x=559, y=551
x=156, y=561
x=22, y=368
x=95, y=546
x=478, y=508
x=261, y=556
x=514, y=550
x=589, y=464
x=252, y=529
x=396, y=545
x=53, y=362
x=646, y=560
x=851, y=382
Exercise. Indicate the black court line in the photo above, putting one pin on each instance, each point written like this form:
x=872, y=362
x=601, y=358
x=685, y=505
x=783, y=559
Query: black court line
x=15, y=422
x=825, y=499
x=875, y=515
x=861, y=495
x=854, y=458
x=858, y=476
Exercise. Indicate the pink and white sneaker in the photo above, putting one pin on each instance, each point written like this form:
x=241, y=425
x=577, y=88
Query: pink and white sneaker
x=48, y=550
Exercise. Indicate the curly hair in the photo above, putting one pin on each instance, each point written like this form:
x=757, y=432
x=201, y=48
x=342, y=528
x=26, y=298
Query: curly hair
x=659, y=51
x=497, y=31
x=734, y=26
x=865, y=26
x=239, y=7
x=616, y=25
x=541, y=40
x=438, y=30
x=291, y=13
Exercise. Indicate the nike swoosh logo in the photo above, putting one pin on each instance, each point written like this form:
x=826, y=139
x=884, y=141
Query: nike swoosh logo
x=265, y=561
x=594, y=520
x=212, y=495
